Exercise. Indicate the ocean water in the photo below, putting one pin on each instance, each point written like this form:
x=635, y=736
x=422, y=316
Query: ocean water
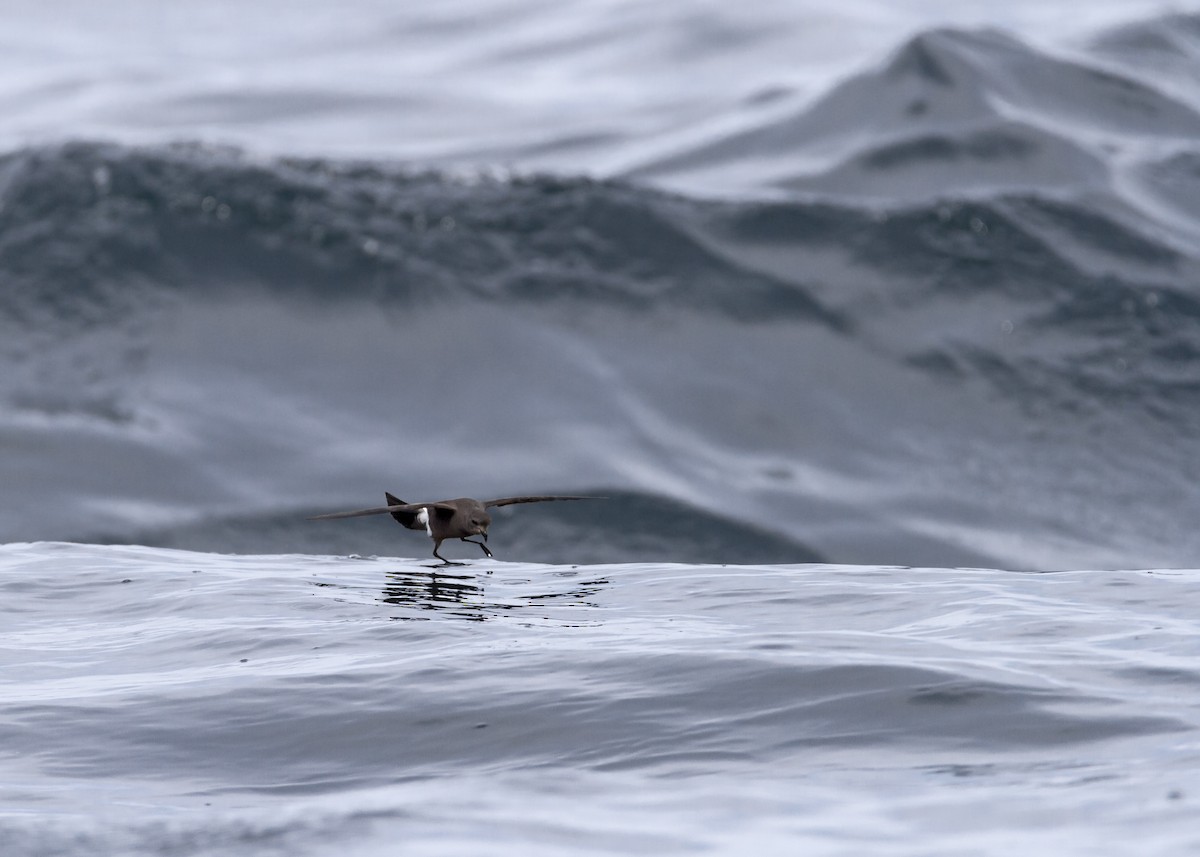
x=876, y=330
x=170, y=702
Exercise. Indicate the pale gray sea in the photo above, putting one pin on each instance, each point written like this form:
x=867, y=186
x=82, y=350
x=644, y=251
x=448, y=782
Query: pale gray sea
x=877, y=327
x=164, y=702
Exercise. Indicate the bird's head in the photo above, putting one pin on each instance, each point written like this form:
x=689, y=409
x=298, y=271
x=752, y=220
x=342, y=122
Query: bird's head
x=479, y=524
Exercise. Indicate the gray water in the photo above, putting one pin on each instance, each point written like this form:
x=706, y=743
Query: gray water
x=169, y=702
x=875, y=328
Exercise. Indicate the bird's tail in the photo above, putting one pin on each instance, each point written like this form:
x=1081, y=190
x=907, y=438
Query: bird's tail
x=406, y=519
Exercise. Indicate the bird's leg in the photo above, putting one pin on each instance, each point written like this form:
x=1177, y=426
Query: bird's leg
x=445, y=561
x=482, y=545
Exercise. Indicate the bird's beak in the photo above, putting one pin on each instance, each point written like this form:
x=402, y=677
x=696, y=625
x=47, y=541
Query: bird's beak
x=484, y=535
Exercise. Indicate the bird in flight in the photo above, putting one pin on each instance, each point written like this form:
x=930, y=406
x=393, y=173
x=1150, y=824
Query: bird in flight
x=444, y=519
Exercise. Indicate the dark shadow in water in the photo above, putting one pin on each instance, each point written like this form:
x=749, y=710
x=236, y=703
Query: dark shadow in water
x=434, y=591
x=463, y=596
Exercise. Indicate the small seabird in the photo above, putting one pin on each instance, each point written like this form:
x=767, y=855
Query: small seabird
x=444, y=519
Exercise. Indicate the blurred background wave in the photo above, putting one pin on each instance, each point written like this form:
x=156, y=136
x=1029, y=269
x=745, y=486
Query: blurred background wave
x=911, y=287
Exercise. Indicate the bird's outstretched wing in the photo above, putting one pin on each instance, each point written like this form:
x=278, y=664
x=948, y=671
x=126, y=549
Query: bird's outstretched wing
x=509, y=501
x=383, y=510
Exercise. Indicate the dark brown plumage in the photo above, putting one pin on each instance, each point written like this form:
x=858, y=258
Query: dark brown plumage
x=444, y=519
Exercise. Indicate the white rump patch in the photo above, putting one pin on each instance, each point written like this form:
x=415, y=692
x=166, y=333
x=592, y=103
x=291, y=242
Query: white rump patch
x=423, y=520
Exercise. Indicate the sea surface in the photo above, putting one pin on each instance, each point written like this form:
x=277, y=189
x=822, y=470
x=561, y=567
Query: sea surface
x=165, y=702
x=874, y=331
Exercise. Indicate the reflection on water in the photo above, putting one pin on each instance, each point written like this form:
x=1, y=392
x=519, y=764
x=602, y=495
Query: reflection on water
x=465, y=596
x=430, y=591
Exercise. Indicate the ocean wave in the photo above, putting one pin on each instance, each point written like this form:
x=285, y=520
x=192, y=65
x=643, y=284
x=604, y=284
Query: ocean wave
x=150, y=289
x=277, y=701
x=82, y=216
x=952, y=112
x=95, y=229
x=206, y=336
